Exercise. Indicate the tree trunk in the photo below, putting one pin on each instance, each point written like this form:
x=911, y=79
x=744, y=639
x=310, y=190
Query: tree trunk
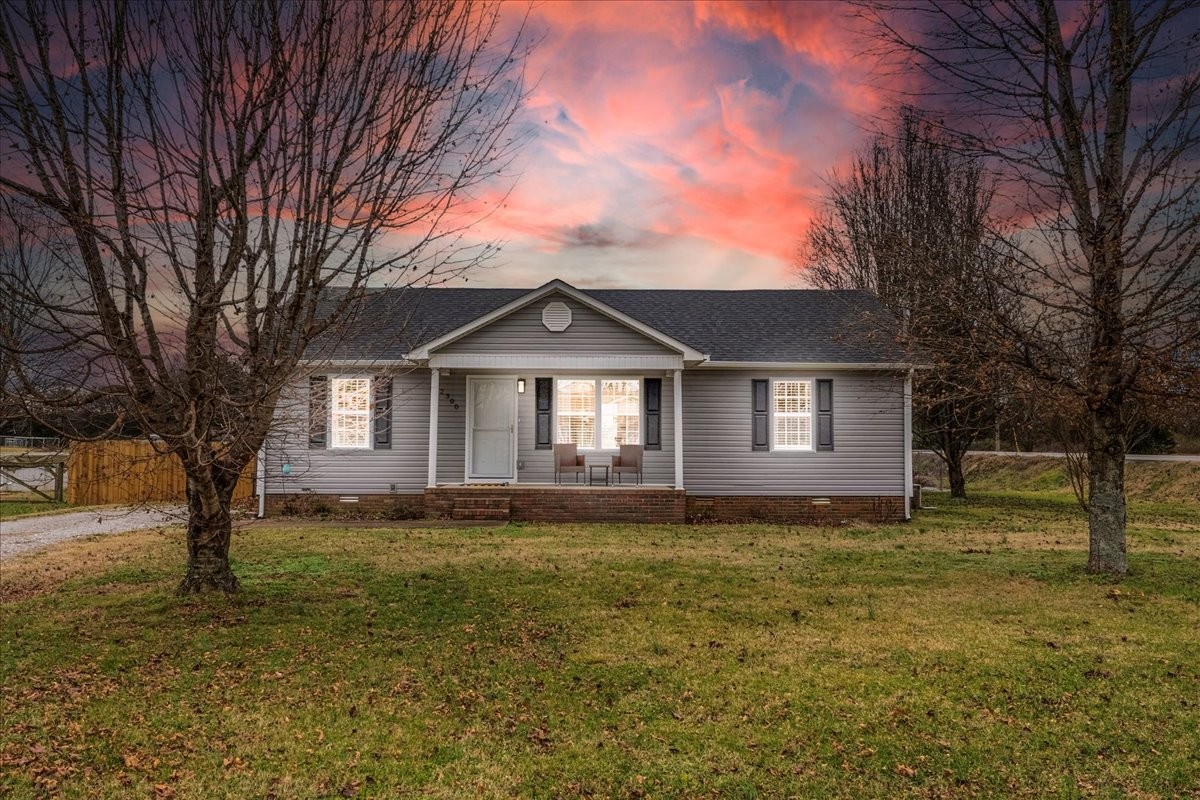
x=954, y=468
x=209, y=531
x=1106, y=499
x=952, y=448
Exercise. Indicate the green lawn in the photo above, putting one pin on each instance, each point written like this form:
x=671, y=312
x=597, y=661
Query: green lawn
x=11, y=508
x=963, y=655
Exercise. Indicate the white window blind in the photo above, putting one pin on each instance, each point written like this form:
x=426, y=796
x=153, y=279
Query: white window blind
x=351, y=404
x=598, y=412
x=620, y=412
x=791, y=407
x=576, y=412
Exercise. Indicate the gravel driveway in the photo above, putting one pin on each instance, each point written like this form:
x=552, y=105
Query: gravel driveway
x=32, y=533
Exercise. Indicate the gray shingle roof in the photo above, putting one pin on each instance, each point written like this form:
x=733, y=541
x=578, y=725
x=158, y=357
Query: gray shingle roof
x=801, y=325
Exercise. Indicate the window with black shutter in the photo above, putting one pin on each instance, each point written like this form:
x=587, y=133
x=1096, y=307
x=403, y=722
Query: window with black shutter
x=652, y=388
x=383, y=414
x=318, y=411
x=824, y=414
x=760, y=415
x=543, y=397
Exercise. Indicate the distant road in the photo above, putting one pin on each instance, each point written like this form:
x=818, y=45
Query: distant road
x=1128, y=457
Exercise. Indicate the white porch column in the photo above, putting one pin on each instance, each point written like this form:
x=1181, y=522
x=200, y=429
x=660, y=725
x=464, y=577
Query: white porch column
x=908, y=458
x=677, y=380
x=434, y=397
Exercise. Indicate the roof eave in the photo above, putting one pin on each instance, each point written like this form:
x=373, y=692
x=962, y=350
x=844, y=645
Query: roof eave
x=888, y=366
x=358, y=362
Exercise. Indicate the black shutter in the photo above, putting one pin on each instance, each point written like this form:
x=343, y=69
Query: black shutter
x=544, y=392
x=383, y=413
x=653, y=438
x=761, y=417
x=824, y=414
x=318, y=411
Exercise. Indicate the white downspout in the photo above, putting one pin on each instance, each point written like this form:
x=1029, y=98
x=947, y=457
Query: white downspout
x=434, y=398
x=261, y=471
x=908, y=455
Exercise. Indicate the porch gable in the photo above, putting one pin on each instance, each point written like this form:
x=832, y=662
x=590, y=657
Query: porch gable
x=555, y=324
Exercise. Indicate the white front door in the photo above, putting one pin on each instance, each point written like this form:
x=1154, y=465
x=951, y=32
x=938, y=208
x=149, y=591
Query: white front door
x=491, y=428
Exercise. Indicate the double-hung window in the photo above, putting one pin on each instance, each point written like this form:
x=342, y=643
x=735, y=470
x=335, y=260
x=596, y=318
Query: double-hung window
x=792, y=414
x=351, y=406
x=598, y=413
x=576, y=412
x=620, y=412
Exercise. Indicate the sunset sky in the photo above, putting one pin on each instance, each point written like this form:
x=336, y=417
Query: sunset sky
x=678, y=144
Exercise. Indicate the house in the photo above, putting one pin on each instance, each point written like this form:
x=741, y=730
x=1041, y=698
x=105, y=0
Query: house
x=776, y=405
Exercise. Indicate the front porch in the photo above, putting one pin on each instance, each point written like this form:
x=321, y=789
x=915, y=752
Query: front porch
x=550, y=503
x=493, y=428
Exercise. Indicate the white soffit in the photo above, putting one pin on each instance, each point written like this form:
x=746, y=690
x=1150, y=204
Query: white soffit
x=556, y=316
x=528, y=362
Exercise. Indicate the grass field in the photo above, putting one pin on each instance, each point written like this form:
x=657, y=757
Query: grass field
x=14, y=506
x=1154, y=481
x=963, y=655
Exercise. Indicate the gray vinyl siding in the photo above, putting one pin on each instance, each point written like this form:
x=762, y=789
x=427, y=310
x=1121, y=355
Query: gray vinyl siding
x=868, y=425
x=523, y=332
x=352, y=471
x=452, y=429
x=868, y=433
x=537, y=466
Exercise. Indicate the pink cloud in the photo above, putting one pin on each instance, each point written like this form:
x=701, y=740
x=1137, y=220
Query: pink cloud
x=664, y=128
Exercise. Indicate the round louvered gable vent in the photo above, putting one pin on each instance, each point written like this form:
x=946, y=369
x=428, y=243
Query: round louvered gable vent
x=556, y=316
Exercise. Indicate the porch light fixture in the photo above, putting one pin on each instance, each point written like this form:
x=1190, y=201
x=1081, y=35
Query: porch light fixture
x=520, y=386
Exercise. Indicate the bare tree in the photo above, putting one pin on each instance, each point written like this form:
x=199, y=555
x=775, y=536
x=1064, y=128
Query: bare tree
x=1091, y=123
x=205, y=175
x=910, y=222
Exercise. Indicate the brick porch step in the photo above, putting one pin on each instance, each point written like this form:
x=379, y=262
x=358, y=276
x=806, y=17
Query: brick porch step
x=481, y=502
x=481, y=508
x=481, y=514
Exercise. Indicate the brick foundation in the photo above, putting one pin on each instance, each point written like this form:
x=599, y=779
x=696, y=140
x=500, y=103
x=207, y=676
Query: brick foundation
x=382, y=506
x=657, y=505
x=650, y=504
x=793, y=509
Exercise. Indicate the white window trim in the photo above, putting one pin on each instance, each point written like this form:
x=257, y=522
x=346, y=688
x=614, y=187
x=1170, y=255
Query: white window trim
x=599, y=436
x=794, y=448
x=370, y=413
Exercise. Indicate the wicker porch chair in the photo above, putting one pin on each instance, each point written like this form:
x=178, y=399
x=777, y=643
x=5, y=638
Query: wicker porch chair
x=629, y=462
x=567, y=461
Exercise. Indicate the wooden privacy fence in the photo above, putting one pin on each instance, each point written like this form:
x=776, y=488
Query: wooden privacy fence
x=127, y=472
